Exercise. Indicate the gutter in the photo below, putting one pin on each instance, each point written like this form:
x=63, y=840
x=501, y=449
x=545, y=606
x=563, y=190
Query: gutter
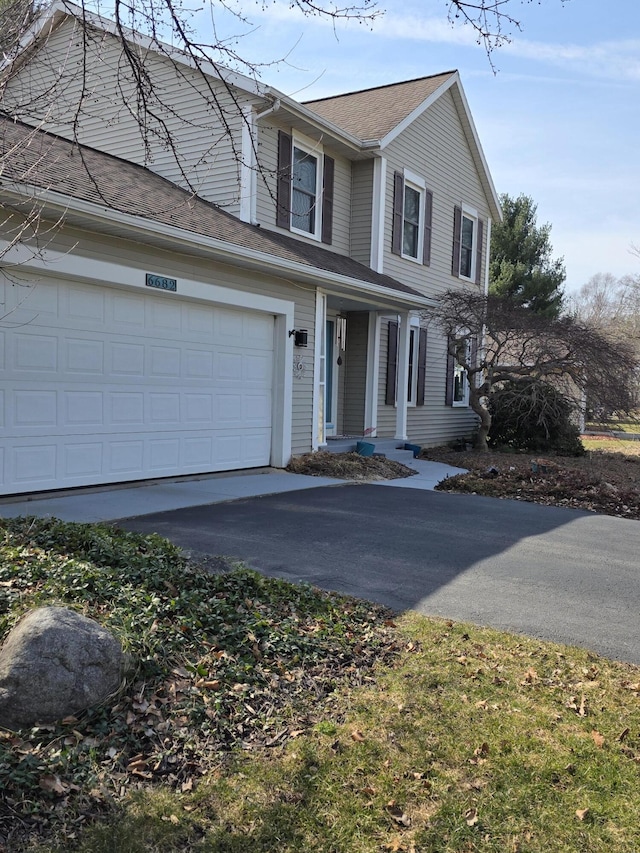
x=220, y=249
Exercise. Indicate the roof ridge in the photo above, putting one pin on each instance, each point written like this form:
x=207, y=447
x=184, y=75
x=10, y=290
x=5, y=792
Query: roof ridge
x=378, y=88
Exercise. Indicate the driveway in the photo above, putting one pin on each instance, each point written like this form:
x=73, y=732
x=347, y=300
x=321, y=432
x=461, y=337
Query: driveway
x=557, y=574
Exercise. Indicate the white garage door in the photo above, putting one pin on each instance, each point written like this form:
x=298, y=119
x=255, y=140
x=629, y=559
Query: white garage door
x=102, y=385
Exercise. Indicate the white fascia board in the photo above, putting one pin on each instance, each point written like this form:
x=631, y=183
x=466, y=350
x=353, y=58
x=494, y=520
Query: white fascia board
x=468, y=123
x=478, y=147
x=43, y=25
x=221, y=249
x=417, y=112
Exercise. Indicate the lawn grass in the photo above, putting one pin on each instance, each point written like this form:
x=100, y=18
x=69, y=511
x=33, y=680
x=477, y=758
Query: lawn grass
x=631, y=426
x=325, y=724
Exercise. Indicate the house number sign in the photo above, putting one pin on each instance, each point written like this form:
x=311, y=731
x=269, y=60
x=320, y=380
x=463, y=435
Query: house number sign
x=161, y=282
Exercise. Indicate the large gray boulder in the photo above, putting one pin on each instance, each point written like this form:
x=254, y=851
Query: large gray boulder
x=54, y=663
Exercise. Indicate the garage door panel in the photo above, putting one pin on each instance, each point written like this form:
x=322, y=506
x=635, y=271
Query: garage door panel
x=84, y=355
x=110, y=391
x=128, y=311
x=35, y=352
x=86, y=304
x=82, y=460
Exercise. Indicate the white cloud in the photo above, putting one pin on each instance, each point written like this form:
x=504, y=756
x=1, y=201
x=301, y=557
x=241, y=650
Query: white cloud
x=607, y=59
x=610, y=59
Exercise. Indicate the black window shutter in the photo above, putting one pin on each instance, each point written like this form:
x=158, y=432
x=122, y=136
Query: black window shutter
x=479, y=237
x=327, y=199
x=457, y=232
x=448, y=392
x=398, y=211
x=428, y=216
x=422, y=367
x=392, y=364
x=283, y=186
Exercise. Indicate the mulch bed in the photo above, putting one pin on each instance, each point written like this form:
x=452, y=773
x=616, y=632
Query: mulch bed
x=348, y=466
x=601, y=482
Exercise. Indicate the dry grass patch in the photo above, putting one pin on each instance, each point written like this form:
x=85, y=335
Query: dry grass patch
x=348, y=466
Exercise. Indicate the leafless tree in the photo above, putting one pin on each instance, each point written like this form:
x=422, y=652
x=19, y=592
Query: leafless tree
x=172, y=29
x=514, y=343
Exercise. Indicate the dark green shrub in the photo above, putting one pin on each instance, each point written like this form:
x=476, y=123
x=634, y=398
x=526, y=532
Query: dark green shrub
x=535, y=417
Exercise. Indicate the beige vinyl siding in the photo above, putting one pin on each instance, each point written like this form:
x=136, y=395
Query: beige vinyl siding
x=174, y=265
x=361, y=211
x=434, y=423
x=435, y=148
x=355, y=372
x=92, y=90
x=266, y=188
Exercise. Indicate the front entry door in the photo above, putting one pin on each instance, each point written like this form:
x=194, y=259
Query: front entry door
x=331, y=379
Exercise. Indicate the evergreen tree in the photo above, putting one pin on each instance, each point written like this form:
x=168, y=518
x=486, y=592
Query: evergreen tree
x=521, y=267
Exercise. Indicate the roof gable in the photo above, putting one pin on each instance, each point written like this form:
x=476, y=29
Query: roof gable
x=374, y=113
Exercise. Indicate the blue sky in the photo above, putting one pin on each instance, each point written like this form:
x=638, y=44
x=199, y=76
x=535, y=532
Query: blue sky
x=559, y=119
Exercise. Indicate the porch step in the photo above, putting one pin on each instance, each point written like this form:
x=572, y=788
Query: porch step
x=392, y=448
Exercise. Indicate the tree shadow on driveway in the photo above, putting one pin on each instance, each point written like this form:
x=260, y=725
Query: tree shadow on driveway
x=559, y=574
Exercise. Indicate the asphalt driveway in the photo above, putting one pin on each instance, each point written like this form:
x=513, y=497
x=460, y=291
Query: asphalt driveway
x=554, y=573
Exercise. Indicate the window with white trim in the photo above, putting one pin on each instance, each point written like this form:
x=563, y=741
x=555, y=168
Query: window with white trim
x=306, y=179
x=457, y=378
x=466, y=260
x=412, y=214
x=412, y=367
x=467, y=245
x=304, y=187
x=416, y=367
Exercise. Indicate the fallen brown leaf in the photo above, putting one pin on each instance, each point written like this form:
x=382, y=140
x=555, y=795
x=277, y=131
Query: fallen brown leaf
x=471, y=817
x=582, y=814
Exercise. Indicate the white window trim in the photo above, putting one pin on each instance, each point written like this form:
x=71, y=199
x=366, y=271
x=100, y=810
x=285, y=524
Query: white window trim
x=415, y=182
x=472, y=214
x=309, y=146
x=464, y=403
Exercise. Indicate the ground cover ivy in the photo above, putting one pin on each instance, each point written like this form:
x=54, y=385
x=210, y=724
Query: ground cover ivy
x=216, y=661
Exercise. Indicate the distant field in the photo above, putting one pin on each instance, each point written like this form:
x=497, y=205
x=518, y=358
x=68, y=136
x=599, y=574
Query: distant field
x=631, y=426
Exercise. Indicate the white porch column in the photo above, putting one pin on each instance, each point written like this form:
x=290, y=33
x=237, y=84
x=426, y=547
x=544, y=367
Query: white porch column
x=373, y=376
x=403, y=376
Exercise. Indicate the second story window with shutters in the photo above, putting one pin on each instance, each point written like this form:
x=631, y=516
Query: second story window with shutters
x=468, y=231
x=304, y=188
x=412, y=214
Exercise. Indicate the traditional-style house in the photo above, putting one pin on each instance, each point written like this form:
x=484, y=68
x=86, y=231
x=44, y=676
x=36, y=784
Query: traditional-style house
x=227, y=277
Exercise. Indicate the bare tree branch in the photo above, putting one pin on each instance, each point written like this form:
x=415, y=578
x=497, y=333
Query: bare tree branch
x=515, y=343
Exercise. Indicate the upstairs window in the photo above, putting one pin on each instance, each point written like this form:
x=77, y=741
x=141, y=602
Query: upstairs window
x=304, y=192
x=466, y=260
x=411, y=221
x=412, y=215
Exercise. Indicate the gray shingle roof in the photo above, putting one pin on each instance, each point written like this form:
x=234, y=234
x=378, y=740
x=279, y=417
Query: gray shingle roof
x=372, y=113
x=33, y=157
